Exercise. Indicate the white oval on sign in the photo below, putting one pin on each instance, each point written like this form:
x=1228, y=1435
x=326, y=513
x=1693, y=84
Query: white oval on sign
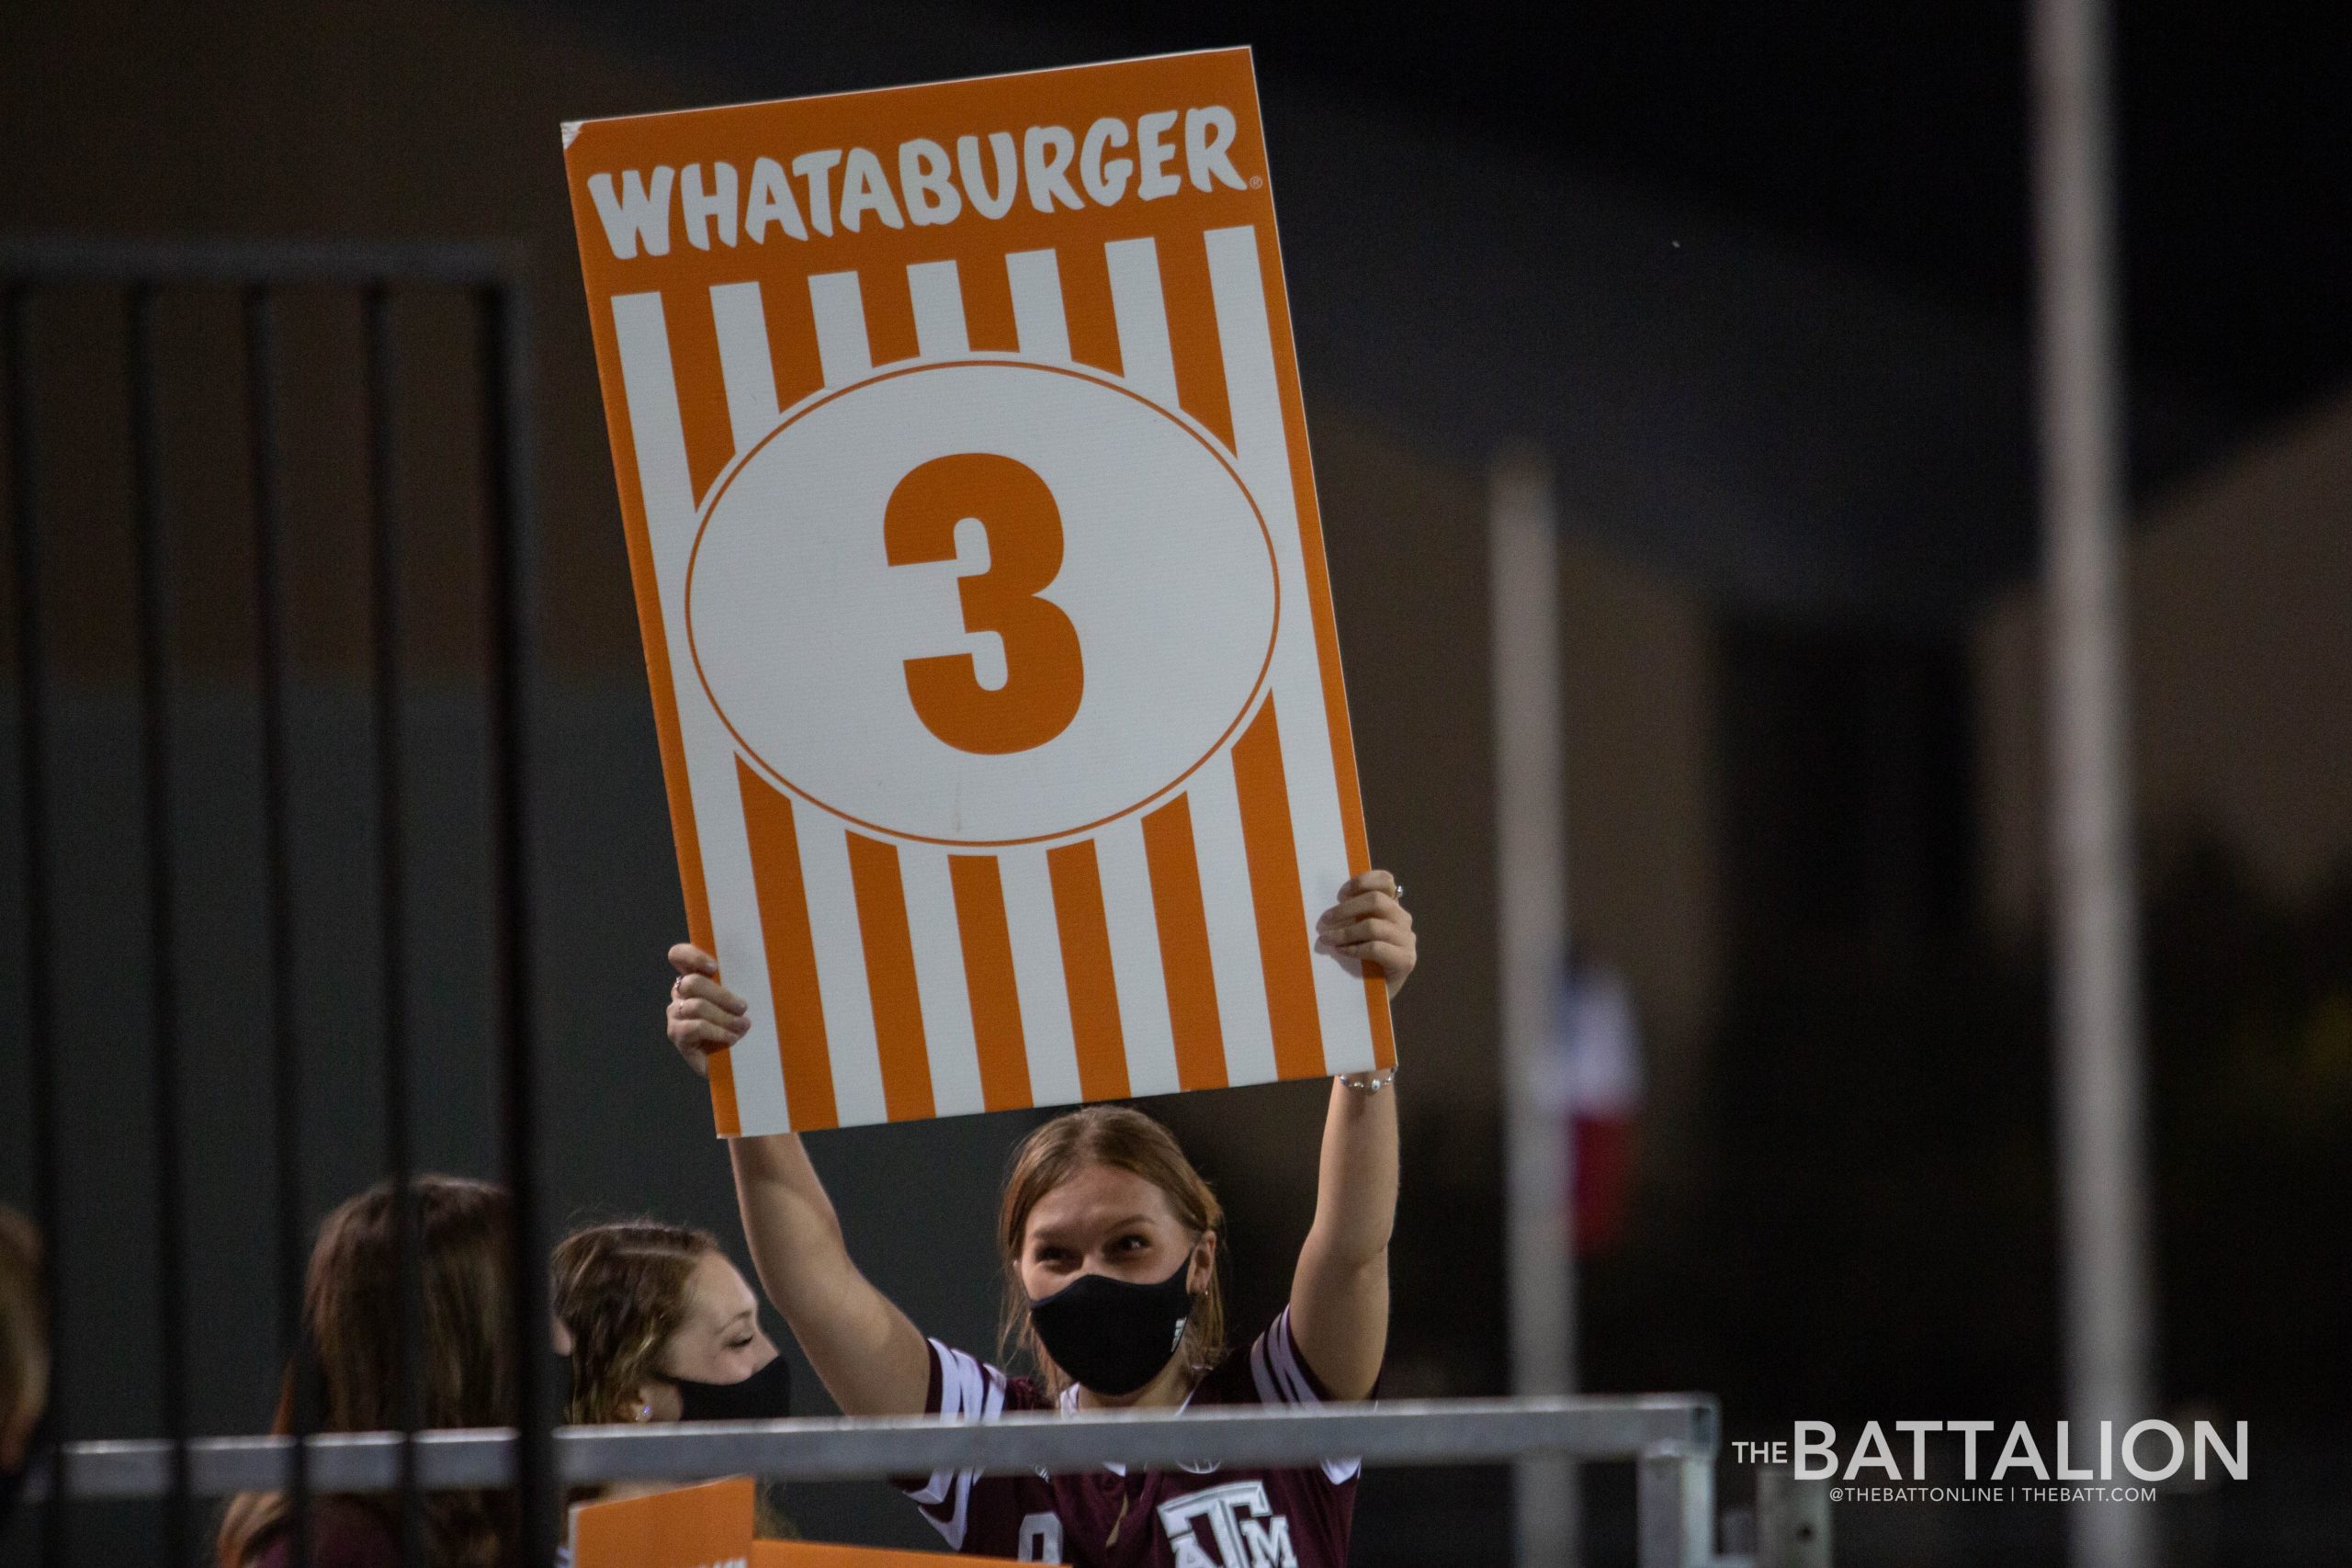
x=803, y=631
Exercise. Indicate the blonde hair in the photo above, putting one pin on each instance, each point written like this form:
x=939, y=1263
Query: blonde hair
x=1127, y=1140
x=620, y=1291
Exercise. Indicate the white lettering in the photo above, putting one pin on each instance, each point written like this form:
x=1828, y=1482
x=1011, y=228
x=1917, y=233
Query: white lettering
x=1155, y=154
x=1968, y=1430
x=1873, y=1438
x=2131, y=1445
x=2234, y=1464
x=2019, y=1438
x=698, y=208
x=1106, y=182
x=815, y=168
x=639, y=216
x=1208, y=138
x=1813, y=1447
x=1269, y=1544
x=923, y=175
x=1918, y=1430
x=771, y=202
x=1041, y=1538
x=865, y=189
x=987, y=203
x=1046, y=152
x=2063, y=1473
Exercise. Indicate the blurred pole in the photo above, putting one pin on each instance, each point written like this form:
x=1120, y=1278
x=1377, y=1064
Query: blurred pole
x=1530, y=879
x=2104, y=1250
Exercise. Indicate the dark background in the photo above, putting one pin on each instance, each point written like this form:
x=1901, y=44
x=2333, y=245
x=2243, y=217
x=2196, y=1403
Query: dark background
x=1757, y=279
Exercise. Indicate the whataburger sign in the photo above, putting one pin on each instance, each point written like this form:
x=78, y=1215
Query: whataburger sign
x=960, y=443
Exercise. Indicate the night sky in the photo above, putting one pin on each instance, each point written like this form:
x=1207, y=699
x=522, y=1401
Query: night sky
x=1893, y=136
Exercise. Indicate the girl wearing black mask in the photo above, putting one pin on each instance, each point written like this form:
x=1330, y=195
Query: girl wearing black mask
x=656, y=1325
x=1110, y=1243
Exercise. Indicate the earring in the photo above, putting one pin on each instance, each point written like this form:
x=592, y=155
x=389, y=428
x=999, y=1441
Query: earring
x=644, y=1410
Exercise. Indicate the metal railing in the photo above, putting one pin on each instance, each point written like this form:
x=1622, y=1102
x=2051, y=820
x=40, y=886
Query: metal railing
x=1672, y=1440
x=141, y=274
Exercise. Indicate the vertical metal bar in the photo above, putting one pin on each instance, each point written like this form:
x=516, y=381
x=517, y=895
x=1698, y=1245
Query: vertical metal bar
x=505, y=391
x=1792, y=1520
x=1675, y=1503
x=267, y=459
x=162, y=996
x=391, y=903
x=40, y=996
x=2104, y=1263
x=1531, y=872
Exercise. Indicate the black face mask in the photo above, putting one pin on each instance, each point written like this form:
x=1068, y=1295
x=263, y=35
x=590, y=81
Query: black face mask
x=765, y=1395
x=12, y=1481
x=1113, y=1336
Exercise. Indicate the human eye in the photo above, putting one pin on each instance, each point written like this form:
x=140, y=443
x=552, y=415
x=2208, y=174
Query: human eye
x=1134, y=1241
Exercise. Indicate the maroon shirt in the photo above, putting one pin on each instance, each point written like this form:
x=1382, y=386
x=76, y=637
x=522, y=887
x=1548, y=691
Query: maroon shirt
x=343, y=1535
x=1211, y=1518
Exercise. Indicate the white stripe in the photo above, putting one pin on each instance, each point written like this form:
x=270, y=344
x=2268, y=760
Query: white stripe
x=1232, y=919
x=651, y=388
x=1135, y=966
x=1038, y=323
x=1144, y=356
x=1284, y=1357
x=1262, y=1375
x=1261, y=451
x=939, y=980
x=842, y=352
x=1036, y=943
x=841, y=968
x=939, y=309
x=743, y=361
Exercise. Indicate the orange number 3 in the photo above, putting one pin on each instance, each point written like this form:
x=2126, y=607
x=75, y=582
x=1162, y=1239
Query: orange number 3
x=1044, y=674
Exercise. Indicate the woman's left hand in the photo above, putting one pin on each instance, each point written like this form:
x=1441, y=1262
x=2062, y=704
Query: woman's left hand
x=1369, y=926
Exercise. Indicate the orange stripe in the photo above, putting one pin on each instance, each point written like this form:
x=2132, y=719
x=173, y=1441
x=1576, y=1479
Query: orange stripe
x=1274, y=888
x=792, y=341
x=988, y=305
x=890, y=979
x=1191, y=334
x=1184, y=946
x=1086, y=964
x=702, y=389
x=988, y=977
x=1086, y=305
x=792, y=953
x=889, y=312
x=1319, y=600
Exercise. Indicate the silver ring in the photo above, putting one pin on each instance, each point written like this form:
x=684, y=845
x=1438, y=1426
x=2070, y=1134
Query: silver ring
x=1400, y=894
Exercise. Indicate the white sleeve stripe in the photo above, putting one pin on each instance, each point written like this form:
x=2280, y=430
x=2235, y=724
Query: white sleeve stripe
x=1282, y=1378
x=1260, y=1375
x=1284, y=1359
x=969, y=1390
x=965, y=1391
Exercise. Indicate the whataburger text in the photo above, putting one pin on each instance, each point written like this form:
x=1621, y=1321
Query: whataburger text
x=1055, y=167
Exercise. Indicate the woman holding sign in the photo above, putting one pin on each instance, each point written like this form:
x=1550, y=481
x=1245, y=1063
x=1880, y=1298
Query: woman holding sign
x=1109, y=1240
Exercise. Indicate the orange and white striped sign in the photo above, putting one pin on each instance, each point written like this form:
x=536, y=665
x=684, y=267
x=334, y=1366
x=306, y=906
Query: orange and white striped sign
x=961, y=445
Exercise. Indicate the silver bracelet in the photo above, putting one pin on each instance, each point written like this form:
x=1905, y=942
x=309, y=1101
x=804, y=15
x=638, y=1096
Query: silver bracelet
x=1371, y=1082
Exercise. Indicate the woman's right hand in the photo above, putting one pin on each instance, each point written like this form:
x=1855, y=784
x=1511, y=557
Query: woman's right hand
x=704, y=1016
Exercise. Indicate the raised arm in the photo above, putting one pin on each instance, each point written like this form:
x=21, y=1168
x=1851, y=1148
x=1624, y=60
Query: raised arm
x=1338, y=1298
x=871, y=1358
